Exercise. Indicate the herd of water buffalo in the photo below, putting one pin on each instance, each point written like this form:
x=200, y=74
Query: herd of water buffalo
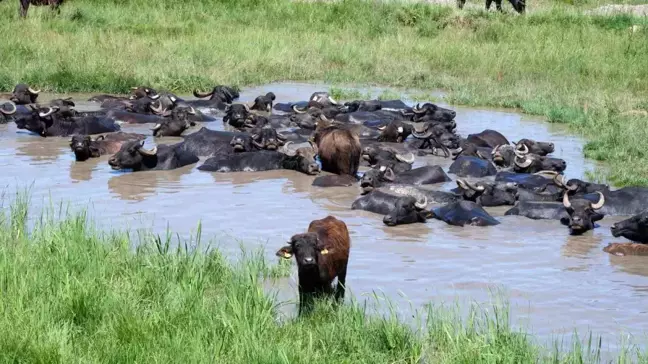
x=323, y=135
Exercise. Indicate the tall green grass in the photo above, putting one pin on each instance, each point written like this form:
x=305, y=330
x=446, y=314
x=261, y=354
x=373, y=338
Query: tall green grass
x=73, y=294
x=590, y=72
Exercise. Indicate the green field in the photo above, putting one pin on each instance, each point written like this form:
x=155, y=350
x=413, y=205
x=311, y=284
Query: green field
x=588, y=71
x=74, y=294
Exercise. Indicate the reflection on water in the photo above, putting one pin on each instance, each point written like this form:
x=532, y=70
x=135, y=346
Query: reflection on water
x=556, y=282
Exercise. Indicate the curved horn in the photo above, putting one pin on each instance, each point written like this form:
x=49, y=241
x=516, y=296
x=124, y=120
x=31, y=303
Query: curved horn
x=600, y=203
x=523, y=151
x=148, y=152
x=462, y=184
x=422, y=131
x=473, y=187
x=566, y=202
x=192, y=111
x=50, y=111
x=332, y=101
x=559, y=180
x=381, y=128
x=546, y=173
x=32, y=91
x=247, y=107
x=297, y=111
x=157, y=127
x=158, y=110
x=281, y=137
x=285, y=150
x=496, y=149
x=421, y=204
x=417, y=109
x=200, y=94
x=10, y=112
x=404, y=159
x=155, y=97
x=257, y=144
x=527, y=162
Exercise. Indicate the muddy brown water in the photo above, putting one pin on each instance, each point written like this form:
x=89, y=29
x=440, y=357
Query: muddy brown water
x=555, y=282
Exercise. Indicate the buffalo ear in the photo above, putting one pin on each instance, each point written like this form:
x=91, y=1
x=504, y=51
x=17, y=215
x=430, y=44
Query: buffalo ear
x=564, y=221
x=285, y=252
x=389, y=175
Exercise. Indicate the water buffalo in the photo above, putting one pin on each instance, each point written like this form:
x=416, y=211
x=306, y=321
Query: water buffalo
x=339, y=150
x=396, y=209
x=84, y=147
x=503, y=155
x=487, y=138
x=132, y=155
x=433, y=197
x=436, y=136
x=46, y=123
x=539, y=148
x=376, y=177
x=472, y=167
x=377, y=156
x=471, y=150
x=634, y=228
x=488, y=193
x=6, y=111
x=462, y=213
x=136, y=93
x=576, y=186
x=525, y=162
x=582, y=213
x=219, y=97
x=539, y=210
x=375, y=105
x=432, y=112
x=24, y=5
x=238, y=116
x=264, y=103
x=23, y=94
x=360, y=130
x=209, y=143
x=322, y=254
x=542, y=181
x=626, y=201
x=176, y=123
x=261, y=161
x=395, y=132
x=518, y=5
x=371, y=119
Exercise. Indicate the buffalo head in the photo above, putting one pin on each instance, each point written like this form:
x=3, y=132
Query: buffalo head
x=525, y=162
x=83, y=147
x=433, y=112
x=395, y=132
x=176, y=124
x=38, y=121
x=23, y=94
x=582, y=213
x=224, y=94
x=539, y=148
x=634, y=228
x=264, y=103
x=407, y=210
x=238, y=116
x=488, y=194
x=143, y=91
x=7, y=110
x=133, y=155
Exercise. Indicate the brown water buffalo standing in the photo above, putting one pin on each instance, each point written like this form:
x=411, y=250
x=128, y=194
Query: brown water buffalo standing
x=339, y=150
x=321, y=254
x=24, y=5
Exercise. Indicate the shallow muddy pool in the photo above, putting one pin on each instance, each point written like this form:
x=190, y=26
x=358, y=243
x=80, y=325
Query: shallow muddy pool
x=555, y=282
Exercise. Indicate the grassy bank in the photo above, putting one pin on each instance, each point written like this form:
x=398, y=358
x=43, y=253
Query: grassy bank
x=71, y=293
x=588, y=71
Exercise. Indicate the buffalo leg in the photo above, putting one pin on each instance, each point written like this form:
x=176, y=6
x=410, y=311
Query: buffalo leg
x=341, y=285
x=461, y=3
x=24, y=6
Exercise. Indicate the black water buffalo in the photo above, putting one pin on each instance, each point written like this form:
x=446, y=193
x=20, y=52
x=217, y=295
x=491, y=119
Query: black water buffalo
x=626, y=201
x=359, y=130
x=376, y=177
x=397, y=210
x=539, y=148
x=24, y=5
x=503, y=155
x=46, y=123
x=395, y=132
x=525, y=162
x=371, y=119
x=176, y=123
x=261, y=161
x=488, y=193
x=6, y=111
x=634, y=228
x=132, y=155
x=487, y=138
x=539, y=210
x=582, y=213
x=84, y=147
x=264, y=103
x=22, y=94
x=209, y=143
x=542, y=181
x=219, y=97
x=432, y=112
x=463, y=213
x=471, y=150
x=433, y=197
x=472, y=167
x=576, y=186
x=377, y=156
x=435, y=136
x=136, y=93
x=375, y=105
x=323, y=99
x=238, y=116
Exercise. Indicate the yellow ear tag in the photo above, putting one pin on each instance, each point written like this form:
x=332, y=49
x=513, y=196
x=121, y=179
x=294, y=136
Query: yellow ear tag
x=287, y=255
x=324, y=251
